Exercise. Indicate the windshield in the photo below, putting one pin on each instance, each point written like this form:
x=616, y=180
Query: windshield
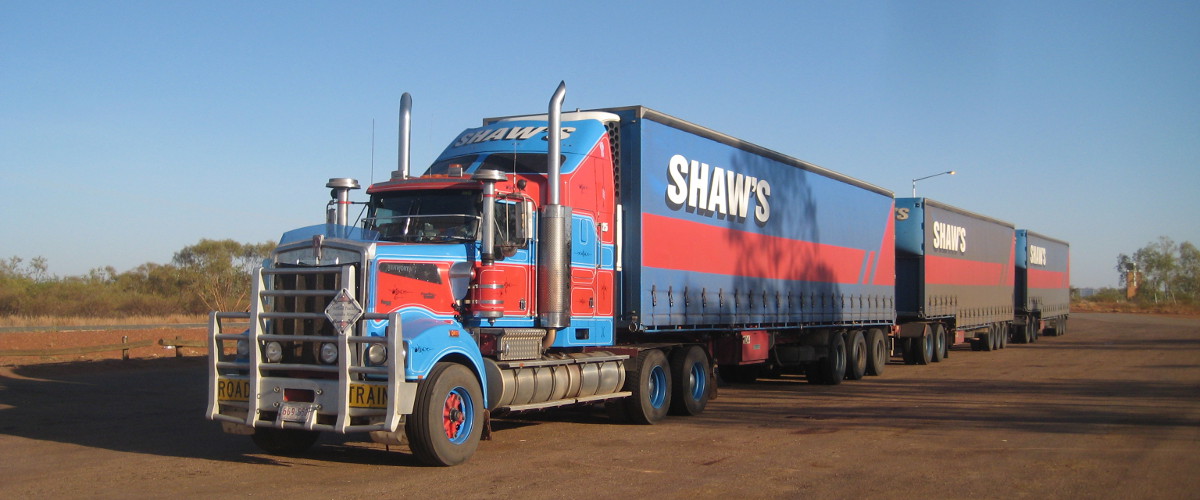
x=433, y=216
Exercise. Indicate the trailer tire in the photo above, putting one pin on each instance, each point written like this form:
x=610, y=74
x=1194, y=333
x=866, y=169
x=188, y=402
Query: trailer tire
x=692, y=376
x=650, y=383
x=856, y=355
x=283, y=441
x=923, y=348
x=1018, y=334
x=939, y=342
x=831, y=369
x=877, y=352
x=447, y=421
x=1003, y=331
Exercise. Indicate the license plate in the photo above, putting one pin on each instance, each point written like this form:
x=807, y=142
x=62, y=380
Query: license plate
x=229, y=389
x=368, y=396
x=295, y=412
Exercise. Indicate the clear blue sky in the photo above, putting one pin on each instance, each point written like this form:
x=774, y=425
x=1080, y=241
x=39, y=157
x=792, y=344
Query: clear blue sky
x=129, y=130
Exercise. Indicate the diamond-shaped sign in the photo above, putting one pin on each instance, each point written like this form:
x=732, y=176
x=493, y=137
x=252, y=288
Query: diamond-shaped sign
x=343, y=311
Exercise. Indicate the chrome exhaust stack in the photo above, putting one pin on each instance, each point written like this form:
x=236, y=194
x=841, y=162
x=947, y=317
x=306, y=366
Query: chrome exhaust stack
x=341, y=187
x=554, y=241
x=403, y=148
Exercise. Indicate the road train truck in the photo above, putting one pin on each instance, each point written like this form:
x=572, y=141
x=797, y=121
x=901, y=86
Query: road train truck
x=615, y=256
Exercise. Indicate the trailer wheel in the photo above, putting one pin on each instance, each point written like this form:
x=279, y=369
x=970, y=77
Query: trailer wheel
x=877, y=352
x=948, y=339
x=1018, y=334
x=650, y=383
x=1031, y=330
x=939, y=343
x=1002, y=331
x=923, y=348
x=831, y=369
x=856, y=355
x=447, y=420
x=691, y=375
x=283, y=441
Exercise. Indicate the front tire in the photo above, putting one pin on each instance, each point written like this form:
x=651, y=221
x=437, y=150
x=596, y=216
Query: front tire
x=447, y=420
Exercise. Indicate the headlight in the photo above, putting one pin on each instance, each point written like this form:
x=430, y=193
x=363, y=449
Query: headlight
x=243, y=348
x=274, y=352
x=329, y=353
x=377, y=354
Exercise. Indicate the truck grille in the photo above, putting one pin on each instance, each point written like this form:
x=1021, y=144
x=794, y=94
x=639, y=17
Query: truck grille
x=295, y=302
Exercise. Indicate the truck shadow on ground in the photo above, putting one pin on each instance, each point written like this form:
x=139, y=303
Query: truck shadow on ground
x=156, y=407
x=153, y=407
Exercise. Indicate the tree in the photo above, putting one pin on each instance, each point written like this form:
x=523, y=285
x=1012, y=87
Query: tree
x=1165, y=270
x=217, y=272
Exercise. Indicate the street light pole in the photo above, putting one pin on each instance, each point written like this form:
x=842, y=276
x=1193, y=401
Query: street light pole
x=914, y=181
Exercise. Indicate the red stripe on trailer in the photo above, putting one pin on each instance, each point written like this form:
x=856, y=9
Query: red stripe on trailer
x=950, y=271
x=689, y=246
x=1038, y=278
x=885, y=269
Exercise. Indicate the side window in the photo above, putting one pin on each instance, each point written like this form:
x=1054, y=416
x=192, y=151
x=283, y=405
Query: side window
x=512, y=226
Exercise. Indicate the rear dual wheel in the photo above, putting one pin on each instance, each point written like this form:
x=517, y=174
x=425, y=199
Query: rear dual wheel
x=649, y=379
x=877, y=352
x=856, y=355
x=831, y=369
x=940, y=343
x=919, y=350
x=692, y=377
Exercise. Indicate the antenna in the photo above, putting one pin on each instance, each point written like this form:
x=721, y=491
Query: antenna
x=372, y=151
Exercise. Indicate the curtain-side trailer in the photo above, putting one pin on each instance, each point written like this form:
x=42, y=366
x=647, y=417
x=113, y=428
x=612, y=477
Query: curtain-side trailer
x=1043, y=286
x=954, y=279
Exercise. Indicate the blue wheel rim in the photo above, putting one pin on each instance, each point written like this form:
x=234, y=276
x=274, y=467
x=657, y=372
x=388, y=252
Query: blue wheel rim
x=658, y=386
x=458, y=415
x=698, y=380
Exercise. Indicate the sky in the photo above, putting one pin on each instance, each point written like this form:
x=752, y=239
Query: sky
x=130, y=130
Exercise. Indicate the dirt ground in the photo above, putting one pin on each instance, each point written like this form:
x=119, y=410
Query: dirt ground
x=1111, y=410
x=86, y=338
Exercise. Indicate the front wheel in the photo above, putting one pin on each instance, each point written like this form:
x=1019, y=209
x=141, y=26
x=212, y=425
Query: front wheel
x=447, y=420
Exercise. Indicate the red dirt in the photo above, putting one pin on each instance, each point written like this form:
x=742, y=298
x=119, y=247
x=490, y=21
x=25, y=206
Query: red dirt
x=82, y=338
